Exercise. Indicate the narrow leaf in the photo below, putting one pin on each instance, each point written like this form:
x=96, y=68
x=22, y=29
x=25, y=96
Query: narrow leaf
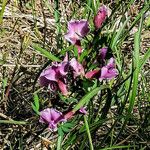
x=87, y=98
x=45, y=53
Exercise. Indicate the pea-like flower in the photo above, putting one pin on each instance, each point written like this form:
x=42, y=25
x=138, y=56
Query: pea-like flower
x=77, y=29
x=54, y=77
x=106, y=72
x=77, y=68
x=109, y=71
x=100, y=16
x=51, y=117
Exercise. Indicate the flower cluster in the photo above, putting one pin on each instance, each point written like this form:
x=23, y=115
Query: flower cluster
x=55, y=77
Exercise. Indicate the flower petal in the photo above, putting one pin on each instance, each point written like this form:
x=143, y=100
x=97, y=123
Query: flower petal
x=45, y=116
x=103, y=52
x=111, y=63
x=100, y=17
x=109, y=71
x=77, y=67
x=83, y=110
x=104, y=72
x=77, y=29
x=63, y=87
x=92, y=74
x=63, y=68
x=51, y=117
x=47, y=74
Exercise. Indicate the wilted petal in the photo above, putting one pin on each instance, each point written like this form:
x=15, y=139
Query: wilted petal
x=100, y=17
x=77, y=67
x=92, y=74
x=77, y=29
x=103, y=52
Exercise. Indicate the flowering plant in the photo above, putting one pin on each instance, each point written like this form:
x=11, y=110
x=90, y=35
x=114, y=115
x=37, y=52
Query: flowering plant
x=72, y=73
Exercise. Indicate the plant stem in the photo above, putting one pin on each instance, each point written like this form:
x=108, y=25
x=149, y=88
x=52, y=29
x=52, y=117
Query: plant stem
x=2, y=10
x=59, y=142
x=88, y=132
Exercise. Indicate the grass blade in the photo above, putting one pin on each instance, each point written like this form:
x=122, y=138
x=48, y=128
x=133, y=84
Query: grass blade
x=88, y=133
x=45, y=53
x=4, y=2
x=145, y=58
x=12, y=122
x=87, y=98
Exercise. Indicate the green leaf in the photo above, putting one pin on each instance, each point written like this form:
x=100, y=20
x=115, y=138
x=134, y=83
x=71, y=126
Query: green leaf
x=148, y=22
x=45, y=53
x=34, y=108
x=4, y=82
x=65, y=129
x=119, y=33
x=87, y=98
x=145, y=58
x=4, y=2
x=117, y=147
x=12, y=122
x=60, y=131
x=36, y=101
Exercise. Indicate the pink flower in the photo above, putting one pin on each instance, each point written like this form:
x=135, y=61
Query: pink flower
x=109, y=71
x=51, y=117
x=69, y=115
x=92, y=74
x=100, y=17
x=77, y=29
x=54, y=77
x=77, y=68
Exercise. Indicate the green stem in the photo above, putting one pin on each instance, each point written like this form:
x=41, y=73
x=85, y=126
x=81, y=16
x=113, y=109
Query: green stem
x=59, y=142
x=2, y=10
x=88, y=132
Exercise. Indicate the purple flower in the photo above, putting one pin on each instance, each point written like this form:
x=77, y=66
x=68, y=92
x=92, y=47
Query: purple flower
x=103, y=52
x=83, y=110
x=51, y=117
x=100, y=17
x=54, y=77
x=77, y=29
x=77, y=68
x=109, y=71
